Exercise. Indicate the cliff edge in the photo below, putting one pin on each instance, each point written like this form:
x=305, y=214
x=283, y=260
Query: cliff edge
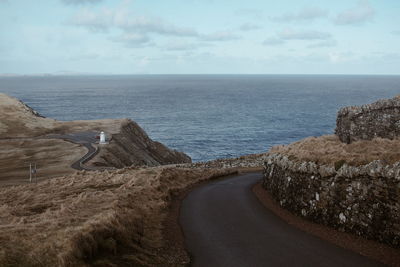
x=132, y=146
x=27, y=137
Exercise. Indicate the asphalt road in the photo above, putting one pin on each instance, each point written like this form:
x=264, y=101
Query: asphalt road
x=225, y=225
x=78, y=165
x=85, y=139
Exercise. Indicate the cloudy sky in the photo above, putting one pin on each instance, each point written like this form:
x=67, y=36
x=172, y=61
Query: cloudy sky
x=200, y=36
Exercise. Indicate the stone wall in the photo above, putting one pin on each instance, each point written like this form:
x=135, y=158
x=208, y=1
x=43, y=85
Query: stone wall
x=247, y=161
x=379, y=119
x=364, y=200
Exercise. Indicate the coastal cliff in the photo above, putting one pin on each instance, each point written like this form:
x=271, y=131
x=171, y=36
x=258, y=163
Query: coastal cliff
x=132, y=146
x=27, y=137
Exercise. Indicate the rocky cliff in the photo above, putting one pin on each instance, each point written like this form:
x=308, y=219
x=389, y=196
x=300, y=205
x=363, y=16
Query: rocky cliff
x=27, y=137
x=379, y=119
x=132, y=146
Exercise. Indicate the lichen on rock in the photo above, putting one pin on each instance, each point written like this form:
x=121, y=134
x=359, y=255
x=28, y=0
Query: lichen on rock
x=364, y=200
x=379, y=119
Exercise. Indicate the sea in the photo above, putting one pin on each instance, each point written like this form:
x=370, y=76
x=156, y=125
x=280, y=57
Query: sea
x=206, y=116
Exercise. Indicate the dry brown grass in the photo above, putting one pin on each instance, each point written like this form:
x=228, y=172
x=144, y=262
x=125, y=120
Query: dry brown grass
x=23, y=140
x=328, y=149
x=18, y=120
x=53, y=158
x=91, y=218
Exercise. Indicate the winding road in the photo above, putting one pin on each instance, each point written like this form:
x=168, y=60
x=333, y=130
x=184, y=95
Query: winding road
x=86, y=139
x=224, y=224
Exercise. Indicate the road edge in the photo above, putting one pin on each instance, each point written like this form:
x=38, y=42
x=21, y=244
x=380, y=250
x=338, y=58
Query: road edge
x=368, y=248
x=172, y=230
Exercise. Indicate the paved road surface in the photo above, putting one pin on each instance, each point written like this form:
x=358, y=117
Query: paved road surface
x=85, y=139
x=225, y=225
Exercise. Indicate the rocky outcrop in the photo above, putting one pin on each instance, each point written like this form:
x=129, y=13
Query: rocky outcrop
x=364, y=200
x=132, y=146
x=379, y=119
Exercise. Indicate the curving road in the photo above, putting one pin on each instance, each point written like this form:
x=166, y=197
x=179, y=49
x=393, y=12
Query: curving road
x=85, y=139
x=225, y=225
x=78, y=165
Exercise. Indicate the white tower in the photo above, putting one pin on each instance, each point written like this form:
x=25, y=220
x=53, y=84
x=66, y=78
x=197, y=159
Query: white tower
x=102, y=138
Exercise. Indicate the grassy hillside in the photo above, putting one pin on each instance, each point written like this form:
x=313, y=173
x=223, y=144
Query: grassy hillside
x=92, y=218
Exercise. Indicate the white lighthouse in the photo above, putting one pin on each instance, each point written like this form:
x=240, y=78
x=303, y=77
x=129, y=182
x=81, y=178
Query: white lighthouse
x=103, y=138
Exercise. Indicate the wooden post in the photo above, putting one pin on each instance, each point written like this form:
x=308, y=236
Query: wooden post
x=35, y=171
x=30, y=172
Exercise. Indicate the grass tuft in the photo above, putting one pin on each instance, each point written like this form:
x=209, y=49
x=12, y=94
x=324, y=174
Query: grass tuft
x=328, y=149
x=339, y=164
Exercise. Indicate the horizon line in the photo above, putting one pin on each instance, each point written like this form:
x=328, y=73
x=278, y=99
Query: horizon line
x=4, y=75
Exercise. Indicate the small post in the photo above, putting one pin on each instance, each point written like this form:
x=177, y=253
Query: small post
x=35, y=171
x=30, y=172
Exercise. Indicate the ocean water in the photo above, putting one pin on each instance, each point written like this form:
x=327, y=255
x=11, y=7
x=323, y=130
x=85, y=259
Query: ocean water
x=206, y=116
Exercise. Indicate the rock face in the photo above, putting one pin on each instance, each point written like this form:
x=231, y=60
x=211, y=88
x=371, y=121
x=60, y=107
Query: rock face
x=132, y=146
x=379, y=119
x=364, y=200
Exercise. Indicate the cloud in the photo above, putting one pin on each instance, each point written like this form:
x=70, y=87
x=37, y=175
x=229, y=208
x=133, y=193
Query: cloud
x=119, y=19
x=396, y=32
x=133, y=39
x=360, y=14
x=289, y=34
x=325, y=43
x=84, y=56
x=220, y=36
x=306, y=14
x=138, y=31
x=96, y=22
x=180, y=46
x=273, y=41
x=338, y=57
x=250, y=12
x=154, y=25
x=389, y=57
x=80, y=2
x=249, y=27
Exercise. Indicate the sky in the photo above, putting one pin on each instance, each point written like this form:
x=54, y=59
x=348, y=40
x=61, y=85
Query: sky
x=199, y=37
